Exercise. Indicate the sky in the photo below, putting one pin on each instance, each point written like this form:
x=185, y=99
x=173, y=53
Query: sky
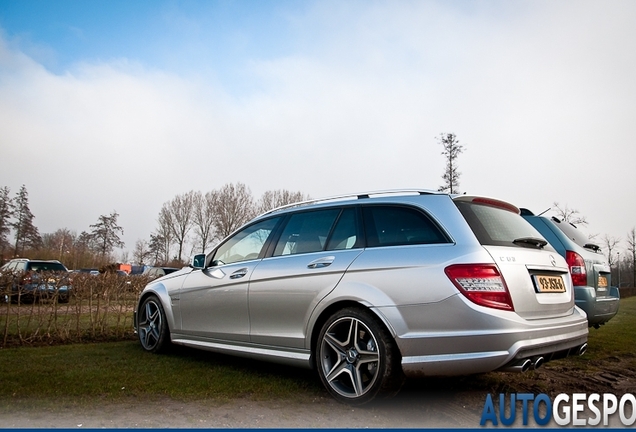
x=120, y=106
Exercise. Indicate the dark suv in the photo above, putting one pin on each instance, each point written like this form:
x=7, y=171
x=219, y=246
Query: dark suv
x=588, y=266
x=29, y=280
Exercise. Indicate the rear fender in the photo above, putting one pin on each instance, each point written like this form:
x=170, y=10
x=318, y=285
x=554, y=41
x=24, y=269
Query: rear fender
x=347, y=294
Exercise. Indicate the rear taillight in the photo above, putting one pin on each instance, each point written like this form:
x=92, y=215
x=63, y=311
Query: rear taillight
x=576, y=263
x=482, y=284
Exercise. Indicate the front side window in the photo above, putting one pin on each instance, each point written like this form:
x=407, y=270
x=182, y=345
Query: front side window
x=400, y=225
x=306, y=232
x=246, y=244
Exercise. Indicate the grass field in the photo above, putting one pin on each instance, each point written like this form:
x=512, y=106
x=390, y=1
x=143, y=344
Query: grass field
x=118, y=370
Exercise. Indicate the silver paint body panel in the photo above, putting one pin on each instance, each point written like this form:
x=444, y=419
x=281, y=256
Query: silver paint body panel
x=274, y=308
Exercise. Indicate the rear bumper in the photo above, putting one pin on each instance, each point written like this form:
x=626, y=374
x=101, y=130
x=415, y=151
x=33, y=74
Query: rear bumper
x=482, y=340
x=599, y=310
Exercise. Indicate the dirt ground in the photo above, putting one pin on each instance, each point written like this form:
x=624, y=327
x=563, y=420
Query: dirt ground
x=427, y=403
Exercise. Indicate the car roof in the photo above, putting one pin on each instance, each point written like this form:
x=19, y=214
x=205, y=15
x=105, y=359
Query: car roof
x=569, y=232
x=344, y=198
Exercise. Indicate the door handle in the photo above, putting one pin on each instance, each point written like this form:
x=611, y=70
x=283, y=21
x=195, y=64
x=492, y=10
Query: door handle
x=321, y=262
x=239, y=273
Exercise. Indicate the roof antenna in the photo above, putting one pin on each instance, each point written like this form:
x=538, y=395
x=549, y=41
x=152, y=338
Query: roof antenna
x=544, y=211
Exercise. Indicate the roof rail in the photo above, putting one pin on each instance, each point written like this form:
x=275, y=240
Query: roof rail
x=359, y=195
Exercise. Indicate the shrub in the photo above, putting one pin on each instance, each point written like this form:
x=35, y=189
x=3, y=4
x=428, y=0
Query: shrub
x=95, y=308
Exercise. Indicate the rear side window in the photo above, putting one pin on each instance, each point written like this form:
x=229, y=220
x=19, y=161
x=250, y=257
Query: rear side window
x=345, y=233
x=496, y=226
x=46, y=267
x=400, y=225
x=306, y=232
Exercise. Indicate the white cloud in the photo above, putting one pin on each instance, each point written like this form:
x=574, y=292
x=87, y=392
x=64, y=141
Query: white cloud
x=541, y=93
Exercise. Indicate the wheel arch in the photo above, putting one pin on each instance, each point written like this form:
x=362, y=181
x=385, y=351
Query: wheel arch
x=328, y=311
x=159, y=291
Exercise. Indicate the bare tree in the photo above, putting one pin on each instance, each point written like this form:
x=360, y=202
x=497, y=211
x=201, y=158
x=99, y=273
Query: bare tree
x=233, y=206
x=452, y=150
x=276, y=198
x=159, y=250
x=26, y=234
x=203, y=219
x=567, y=214
x=141, y=252
x=610, y=243
x=6, y=210
x=83, y=247
x=105, y=234
x=178, y=215
x=60, y=243
x=631, y=250
x=163, y=238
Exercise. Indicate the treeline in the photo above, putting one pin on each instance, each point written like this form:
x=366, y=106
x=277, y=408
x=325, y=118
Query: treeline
x=189, y=223
x=194, y=221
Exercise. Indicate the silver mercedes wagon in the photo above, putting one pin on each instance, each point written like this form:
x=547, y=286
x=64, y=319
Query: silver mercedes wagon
x=374, y=287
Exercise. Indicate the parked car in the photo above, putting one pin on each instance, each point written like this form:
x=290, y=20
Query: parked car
x=86, y=271
x=370, y=288
x=591, y=276
x=36, y=279
x=157, y=272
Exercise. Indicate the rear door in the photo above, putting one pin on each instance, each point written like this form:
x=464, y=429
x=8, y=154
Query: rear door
x=536, y=275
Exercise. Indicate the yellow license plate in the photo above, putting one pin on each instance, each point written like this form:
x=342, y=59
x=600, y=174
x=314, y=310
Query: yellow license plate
x=549, y=284
x=602, y=281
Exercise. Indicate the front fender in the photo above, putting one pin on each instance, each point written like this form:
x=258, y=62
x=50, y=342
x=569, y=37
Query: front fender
x=159, y=290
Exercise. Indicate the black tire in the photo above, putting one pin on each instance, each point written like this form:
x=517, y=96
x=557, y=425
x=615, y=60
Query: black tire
x=356, y=357
x=152, y=327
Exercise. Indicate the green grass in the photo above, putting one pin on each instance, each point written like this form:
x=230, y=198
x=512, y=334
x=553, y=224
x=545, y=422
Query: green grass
x=618, y=336
x=612, y=342
x=121, y=370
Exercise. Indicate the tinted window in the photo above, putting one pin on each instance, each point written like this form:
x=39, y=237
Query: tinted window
x=397, y=225
x=246, y=244
x=306, y=232
x=46, y=266
x=344, y=235
x=572, y=232
x=496, y=226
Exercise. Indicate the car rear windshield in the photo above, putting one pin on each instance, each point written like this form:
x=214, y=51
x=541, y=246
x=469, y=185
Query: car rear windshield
x=46, y=267
x=573, y=233
x=496, y=226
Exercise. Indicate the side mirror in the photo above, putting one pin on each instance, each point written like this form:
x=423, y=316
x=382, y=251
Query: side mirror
x=198, y=262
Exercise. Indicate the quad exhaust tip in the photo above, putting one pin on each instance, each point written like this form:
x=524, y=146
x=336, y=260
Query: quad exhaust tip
x=519, y=367
x=537, y=362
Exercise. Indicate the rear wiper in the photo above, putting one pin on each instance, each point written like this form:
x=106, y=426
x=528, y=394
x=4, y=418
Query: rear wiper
x=592, y=246
x=531, y=241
